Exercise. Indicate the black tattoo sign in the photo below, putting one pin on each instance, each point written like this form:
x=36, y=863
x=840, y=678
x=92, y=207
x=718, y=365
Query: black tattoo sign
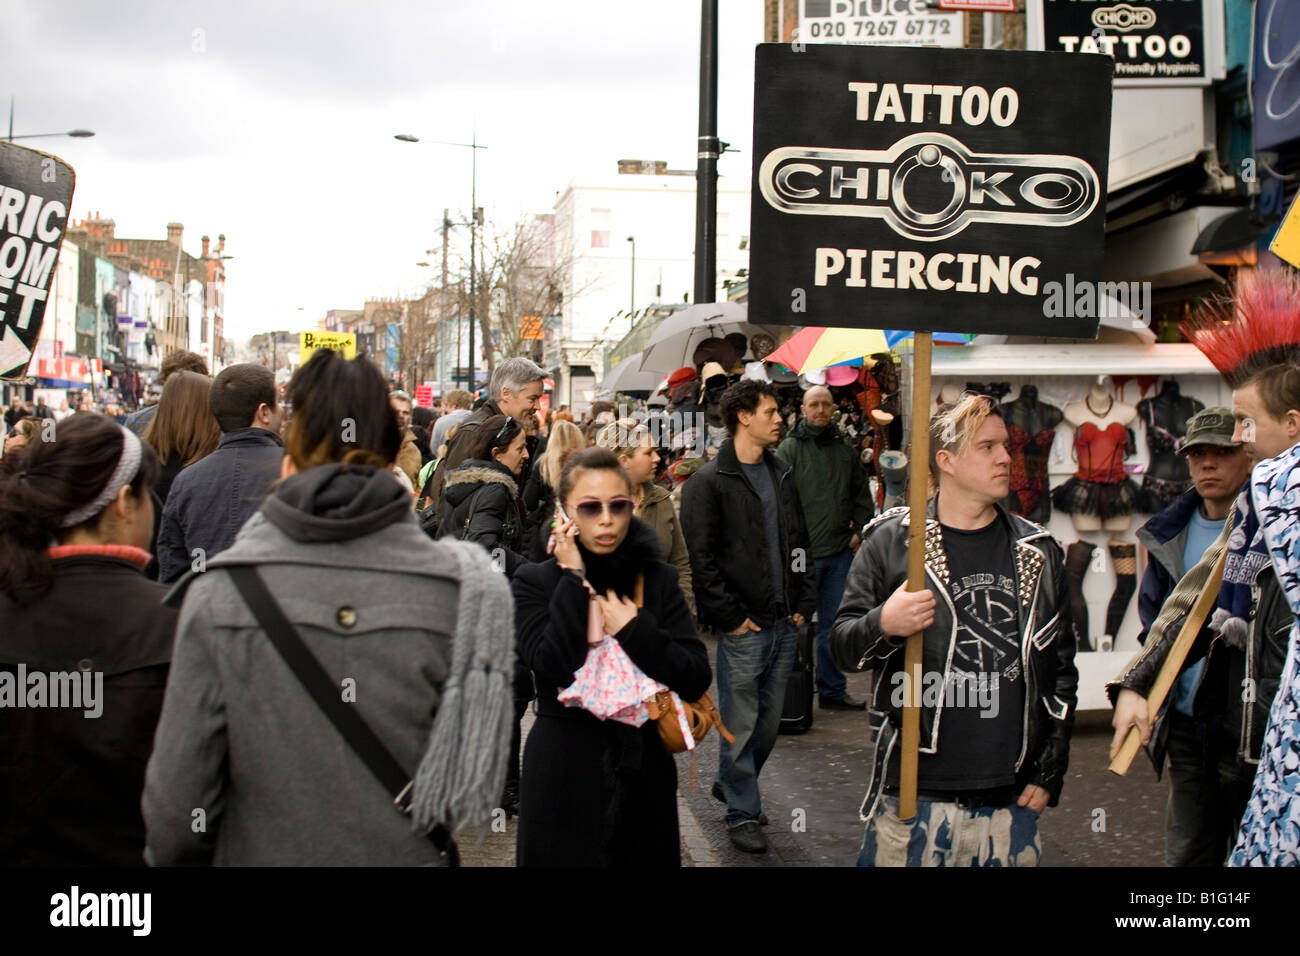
x=35, y=195
x=1151, y=43
x=926, y=189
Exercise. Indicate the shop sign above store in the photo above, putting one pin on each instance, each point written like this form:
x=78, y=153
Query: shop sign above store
x=887, y=22
x=35, y=194
x=309, y=342
x=882, y=199
x=1151, y=43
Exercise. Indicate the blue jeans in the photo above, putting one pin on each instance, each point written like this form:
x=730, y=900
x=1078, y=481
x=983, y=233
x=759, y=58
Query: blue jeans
x=832, y=575
x=752, y=672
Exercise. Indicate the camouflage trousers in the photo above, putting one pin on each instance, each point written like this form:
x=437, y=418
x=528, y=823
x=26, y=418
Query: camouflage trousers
x=945, y=834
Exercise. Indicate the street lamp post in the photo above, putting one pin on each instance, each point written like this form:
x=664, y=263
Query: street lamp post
x=75, y=133
x=475, y=146
x=631, y=309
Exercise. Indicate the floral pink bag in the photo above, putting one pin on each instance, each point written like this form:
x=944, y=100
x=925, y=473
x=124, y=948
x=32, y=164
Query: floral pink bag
x=610, y=686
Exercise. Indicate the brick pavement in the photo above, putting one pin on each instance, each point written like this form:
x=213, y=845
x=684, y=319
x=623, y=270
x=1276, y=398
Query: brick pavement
x=813, y=785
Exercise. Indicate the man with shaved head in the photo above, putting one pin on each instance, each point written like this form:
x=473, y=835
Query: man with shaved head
x=835, y=491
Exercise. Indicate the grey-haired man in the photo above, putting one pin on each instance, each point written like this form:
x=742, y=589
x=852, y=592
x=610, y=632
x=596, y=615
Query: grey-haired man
x=514, y=389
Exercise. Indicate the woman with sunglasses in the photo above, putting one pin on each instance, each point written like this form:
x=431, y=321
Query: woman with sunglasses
x=601, y=793
x=632, y=442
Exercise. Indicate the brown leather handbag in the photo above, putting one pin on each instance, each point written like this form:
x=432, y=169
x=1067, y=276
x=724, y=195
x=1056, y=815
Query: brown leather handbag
x=700, y=717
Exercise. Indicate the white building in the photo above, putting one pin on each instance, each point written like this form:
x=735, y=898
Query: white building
x=593, y=222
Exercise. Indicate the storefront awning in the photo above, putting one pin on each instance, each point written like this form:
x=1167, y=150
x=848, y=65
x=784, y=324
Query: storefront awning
x=1068, y=358
x=1242, y=227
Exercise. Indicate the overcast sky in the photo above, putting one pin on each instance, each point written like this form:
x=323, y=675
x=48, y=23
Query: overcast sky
x=272, y=121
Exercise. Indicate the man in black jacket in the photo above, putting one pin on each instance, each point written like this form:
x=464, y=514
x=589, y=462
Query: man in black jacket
x=212, y=498
x=998, y=687
x=754, y=586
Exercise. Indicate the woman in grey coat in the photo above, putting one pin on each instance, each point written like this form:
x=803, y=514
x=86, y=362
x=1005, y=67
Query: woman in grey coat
x=247, y=769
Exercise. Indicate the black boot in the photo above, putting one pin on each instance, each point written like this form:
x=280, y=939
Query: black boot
x=1077, y=558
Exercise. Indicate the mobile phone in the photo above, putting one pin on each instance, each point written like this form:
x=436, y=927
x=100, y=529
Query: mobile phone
x=563, y=518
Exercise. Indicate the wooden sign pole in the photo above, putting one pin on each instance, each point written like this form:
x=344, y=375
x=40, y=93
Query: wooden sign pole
x=919, y=470
x=1173, y=663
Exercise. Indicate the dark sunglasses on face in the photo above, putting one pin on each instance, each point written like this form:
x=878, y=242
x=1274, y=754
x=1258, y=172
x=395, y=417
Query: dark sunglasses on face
x=618, y=507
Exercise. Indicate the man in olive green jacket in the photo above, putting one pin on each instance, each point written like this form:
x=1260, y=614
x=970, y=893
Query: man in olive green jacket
x=835, y=492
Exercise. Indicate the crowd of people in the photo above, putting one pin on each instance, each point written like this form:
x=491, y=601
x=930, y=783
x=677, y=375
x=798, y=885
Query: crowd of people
x=314, y=623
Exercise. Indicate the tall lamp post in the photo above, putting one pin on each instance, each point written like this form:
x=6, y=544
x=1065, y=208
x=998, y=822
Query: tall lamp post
x=74, y=133
x=474, y=222
x=631, y=309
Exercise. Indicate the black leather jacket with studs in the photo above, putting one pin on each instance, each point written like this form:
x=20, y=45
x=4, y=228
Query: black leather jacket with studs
x=1047, y=651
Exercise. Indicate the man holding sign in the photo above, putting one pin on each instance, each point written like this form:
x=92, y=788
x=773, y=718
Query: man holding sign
x=998, y=689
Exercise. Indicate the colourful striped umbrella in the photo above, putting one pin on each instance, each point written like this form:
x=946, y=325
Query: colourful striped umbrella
x=819, y=347
x=894, y=336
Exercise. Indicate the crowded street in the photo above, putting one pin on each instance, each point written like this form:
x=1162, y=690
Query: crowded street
x=773, y=436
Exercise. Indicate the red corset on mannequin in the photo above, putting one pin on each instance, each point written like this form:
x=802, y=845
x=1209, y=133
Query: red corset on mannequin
x=1101, y=452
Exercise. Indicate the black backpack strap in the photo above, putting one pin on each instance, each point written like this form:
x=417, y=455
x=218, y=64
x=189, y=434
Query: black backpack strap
x=321, y=688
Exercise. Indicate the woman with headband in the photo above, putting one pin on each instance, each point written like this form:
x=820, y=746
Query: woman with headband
x=85, y=645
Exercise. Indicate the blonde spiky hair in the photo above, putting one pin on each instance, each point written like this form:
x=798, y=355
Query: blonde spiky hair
x=953, y=427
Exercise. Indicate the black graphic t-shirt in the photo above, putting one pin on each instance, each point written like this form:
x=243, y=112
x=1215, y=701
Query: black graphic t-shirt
x=984, y=697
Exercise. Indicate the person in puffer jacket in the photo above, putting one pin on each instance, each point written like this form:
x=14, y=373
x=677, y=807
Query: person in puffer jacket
x=482, y=499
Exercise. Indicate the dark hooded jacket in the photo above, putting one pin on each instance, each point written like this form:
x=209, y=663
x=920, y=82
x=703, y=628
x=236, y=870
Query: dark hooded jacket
x=376, y=603
x=602, y=793
x=481, y=504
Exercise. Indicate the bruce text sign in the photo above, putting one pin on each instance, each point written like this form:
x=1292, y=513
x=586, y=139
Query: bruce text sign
x=927, y=189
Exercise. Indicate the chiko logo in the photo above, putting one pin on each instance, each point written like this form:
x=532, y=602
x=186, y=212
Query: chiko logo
x=1122, y=17
x=1030, y=189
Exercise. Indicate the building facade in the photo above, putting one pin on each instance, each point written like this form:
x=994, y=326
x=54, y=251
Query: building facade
x=628, y=242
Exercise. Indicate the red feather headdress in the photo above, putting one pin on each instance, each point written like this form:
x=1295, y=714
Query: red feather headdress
x=1254, y=329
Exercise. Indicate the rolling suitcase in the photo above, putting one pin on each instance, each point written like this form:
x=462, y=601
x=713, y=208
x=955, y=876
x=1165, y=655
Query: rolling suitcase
x=797, y=714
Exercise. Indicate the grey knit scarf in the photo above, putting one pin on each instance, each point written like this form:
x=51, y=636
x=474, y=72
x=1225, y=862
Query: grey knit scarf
x=460, y=778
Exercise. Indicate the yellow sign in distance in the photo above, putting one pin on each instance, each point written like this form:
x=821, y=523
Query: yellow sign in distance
x=1286, y=242
x=308, y=342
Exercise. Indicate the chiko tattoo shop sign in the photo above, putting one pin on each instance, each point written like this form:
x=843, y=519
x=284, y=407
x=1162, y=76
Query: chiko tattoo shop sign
x=926, y=189
x=1153, y=42
x=35, y=193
